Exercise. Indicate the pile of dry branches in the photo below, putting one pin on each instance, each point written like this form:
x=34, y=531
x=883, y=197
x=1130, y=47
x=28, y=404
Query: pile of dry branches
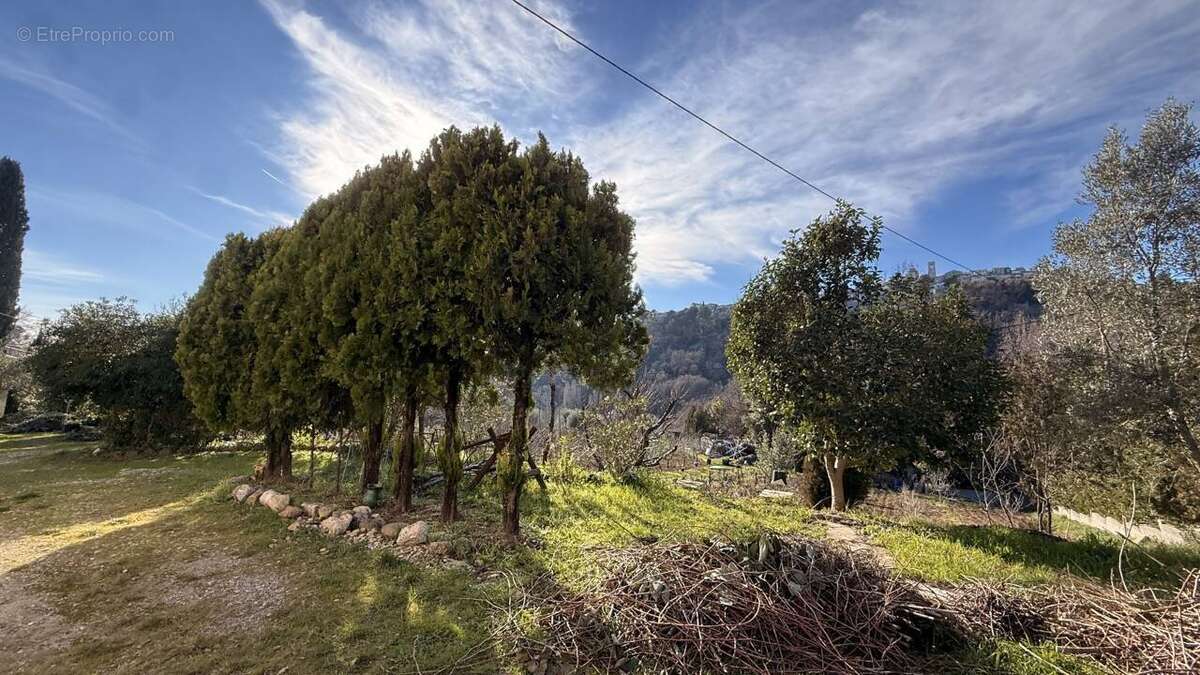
x=770, y=606
x=1143, y=632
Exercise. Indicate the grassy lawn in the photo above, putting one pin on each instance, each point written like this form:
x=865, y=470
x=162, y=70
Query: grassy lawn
x=952, y=553
x=143, y=564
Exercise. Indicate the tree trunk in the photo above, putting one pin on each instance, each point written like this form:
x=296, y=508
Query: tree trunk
x=449, y=458
x=835, y=466
x=372, y=453
x=553, y=416
x=312, y=456
x=4, y=402
x=402, y=490
x=512, y=468
x=279, y=453
x=808, y=482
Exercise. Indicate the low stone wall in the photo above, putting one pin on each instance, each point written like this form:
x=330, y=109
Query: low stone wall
x=1161, y=532
x=359, y=524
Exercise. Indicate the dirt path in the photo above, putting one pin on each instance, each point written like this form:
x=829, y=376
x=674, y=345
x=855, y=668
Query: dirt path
x=843, y=532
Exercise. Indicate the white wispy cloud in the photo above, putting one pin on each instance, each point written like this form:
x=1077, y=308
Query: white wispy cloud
x=46, y=268
x=887, y=108
x=70, y=95
x=50, y=282
x=271, y=218
x=408, y=72
x=100, y=207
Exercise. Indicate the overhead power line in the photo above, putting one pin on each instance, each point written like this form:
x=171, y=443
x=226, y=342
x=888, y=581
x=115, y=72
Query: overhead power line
x=729, y=136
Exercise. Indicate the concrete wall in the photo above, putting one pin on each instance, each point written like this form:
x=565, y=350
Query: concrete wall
x=1165, y=533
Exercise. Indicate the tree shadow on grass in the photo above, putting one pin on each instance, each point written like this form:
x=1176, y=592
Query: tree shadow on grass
x=1093, y=556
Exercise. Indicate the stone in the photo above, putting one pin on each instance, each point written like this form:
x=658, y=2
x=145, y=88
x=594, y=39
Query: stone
x=290, y=512
x=265, y=495
x=413, y=535
x=440, y=548
x=295, y=526
x=310, y=509
x=241, y=492
x=324, y=511
x=239, y=479
x=391, y=530
x=336, y=525
x=360, y=519
x=253, y=498
x=364, y=510
x=276, y=502
x=373, y=524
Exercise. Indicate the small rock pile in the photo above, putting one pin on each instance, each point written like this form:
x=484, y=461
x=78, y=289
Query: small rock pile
x=359, y=524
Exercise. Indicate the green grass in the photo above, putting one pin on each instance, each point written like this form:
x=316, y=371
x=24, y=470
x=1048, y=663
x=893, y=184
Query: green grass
x=574, y=520
x=106, y=542
x=960, y=552
x=1017, y=658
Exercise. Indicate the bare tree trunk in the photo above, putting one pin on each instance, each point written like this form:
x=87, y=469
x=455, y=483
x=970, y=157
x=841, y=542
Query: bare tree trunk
x=553, y=417
x=312, y=456
x=449, y=458
x=402, y=491
x=512, y=470
x=807, y=486
x=835, y=466
x=341, y=451
x=372, y=453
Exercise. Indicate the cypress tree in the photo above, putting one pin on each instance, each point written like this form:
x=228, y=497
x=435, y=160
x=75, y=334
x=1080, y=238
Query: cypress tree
x=218, y=347
x=14, y=223
x=552, y=274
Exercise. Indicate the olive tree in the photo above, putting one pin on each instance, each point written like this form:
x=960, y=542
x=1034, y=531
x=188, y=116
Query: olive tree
x=1123, y=286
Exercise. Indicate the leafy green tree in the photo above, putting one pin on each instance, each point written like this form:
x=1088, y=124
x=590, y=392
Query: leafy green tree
x=939, y=391
x=372, y=306
x=1123, y=286
x=218, y=348
x=290, y=384
x=466, y=172
x=553, y=276
x=14, y=223
x=105, y=354
x=871, y=371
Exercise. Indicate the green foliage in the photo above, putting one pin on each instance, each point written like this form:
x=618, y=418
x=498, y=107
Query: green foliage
x=105, y=354
x=14, y=223
x=875, y=371
x=217, y=345
x=1122, y=288
x=552, y=275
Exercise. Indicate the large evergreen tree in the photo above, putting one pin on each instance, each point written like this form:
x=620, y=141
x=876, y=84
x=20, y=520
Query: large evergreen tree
x=218, y=347
x=367, y=304
x=290, y=379
x=14, y=223
x=553, y=277
x=466, y=173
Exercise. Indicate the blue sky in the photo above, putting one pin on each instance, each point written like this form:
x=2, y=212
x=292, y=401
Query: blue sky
x=964, y=124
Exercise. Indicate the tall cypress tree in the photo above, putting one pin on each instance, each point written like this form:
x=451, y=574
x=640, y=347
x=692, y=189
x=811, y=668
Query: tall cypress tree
x=14, y=223
x=552, y=274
